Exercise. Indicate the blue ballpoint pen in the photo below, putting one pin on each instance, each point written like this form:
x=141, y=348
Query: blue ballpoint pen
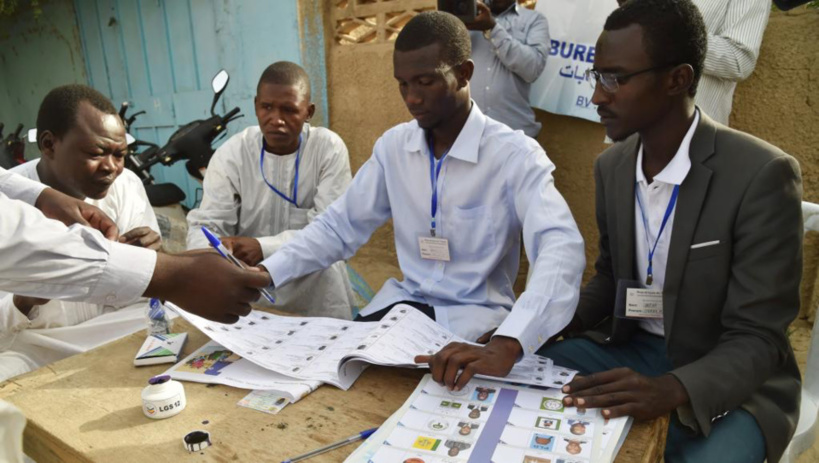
x=360, y=436
x=221, y=249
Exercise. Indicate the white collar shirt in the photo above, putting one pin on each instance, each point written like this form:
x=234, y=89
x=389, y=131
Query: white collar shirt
x=655, y=198
x=44, y=258
x=494, y=184
x=126, y=203
x=237, y=201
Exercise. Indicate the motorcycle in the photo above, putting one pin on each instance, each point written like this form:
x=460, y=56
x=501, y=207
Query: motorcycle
x=192, y=142
x=14, y=148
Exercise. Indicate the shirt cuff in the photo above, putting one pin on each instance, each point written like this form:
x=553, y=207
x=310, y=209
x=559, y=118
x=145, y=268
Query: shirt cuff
x=278, y=268
x=126, y=276
x=497, y=34
x=525, y=323
x=21, y=188
x=271, y=244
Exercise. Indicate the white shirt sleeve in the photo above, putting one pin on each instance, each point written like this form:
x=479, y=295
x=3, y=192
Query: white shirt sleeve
x=343, y=228
x=334, y=178
x=555, y=248
x=44, y=258
x=734, y=48
x=18, y=187
x=219, y=210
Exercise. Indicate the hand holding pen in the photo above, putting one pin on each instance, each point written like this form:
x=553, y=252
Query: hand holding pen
x=221, y=249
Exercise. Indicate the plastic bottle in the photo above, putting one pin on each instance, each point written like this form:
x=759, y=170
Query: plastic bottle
x=158, y=321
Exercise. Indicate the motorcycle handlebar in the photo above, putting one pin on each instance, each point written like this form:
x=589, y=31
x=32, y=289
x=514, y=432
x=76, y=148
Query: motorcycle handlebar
x=20, y=129
x=229, y=115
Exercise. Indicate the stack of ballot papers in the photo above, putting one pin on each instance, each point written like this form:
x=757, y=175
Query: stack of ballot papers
x=294, y=355
x=491, y=421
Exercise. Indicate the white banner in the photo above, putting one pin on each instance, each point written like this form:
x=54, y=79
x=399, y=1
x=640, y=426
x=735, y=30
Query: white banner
x=574, y=26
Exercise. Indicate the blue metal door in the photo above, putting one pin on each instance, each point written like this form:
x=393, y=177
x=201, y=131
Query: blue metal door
x=160, y=56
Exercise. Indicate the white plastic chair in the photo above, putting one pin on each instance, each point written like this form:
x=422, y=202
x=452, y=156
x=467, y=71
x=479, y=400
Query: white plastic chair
x=806, y=430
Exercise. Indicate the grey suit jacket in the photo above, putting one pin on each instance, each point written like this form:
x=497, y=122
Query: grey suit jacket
x=726, y=306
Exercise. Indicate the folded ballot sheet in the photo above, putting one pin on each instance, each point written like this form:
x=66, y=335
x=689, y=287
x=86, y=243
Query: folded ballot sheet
x=337, y=351
x=215, y=364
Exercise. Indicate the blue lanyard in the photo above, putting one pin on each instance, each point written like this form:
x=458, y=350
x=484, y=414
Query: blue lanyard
x=434, y=172
x=671, y=203
x=295, y=182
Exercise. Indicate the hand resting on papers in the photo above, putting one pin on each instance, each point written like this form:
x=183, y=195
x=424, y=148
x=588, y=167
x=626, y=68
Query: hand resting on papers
x=455, y=364
x=624, y=392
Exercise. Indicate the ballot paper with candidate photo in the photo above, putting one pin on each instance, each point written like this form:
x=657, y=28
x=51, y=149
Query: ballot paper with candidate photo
x=429, y=443
x=452, y=407
x=516, y=424
x=387, y=454
x=441, y=424
x=547, y=441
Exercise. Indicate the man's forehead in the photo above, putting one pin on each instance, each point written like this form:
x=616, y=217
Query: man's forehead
x=621, y=49
x=421, y=60
x=95, y=122
x=271, y=91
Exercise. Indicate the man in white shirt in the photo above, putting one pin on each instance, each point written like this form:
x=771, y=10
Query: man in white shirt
x=460, y=188
x=273, y=179
x=735, y=29
x=43, y=258
x=73, y=123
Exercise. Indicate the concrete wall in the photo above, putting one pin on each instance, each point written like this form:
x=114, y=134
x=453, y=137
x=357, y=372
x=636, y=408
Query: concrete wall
x=37, y=54
x=779, y=103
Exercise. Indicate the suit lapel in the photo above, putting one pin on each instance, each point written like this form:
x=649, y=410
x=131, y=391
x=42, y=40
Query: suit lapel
x=686, y=217
x=624, y=194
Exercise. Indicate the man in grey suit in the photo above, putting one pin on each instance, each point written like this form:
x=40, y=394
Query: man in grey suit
x=700, y=255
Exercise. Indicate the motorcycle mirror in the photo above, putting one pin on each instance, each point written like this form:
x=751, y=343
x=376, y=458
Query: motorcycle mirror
x=219, y=83
x=129, y=138
x=32, y=135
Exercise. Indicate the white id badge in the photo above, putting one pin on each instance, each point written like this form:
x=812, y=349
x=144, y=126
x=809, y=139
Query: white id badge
x=644, y=303
x=434, y=248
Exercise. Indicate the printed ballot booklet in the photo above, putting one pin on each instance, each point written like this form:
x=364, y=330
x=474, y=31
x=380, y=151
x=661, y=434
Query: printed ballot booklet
x=491, y=421
x=160, y=348
x=336, y=352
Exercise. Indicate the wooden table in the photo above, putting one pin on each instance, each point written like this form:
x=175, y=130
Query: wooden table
x=88, y=408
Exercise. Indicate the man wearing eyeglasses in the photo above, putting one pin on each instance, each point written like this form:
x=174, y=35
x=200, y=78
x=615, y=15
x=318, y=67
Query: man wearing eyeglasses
x=700, y=254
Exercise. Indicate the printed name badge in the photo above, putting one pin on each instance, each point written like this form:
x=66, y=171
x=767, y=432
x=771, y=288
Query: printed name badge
x=644, y=303
x=434, y=248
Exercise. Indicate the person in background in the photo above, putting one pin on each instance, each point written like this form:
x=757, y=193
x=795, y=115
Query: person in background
x=697, y=279
x=271, y=180
x=510, y=45
x=735, y=29
x=82, y=141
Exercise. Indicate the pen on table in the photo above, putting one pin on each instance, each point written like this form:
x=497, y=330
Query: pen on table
x=221, y=249
x=360, y=436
